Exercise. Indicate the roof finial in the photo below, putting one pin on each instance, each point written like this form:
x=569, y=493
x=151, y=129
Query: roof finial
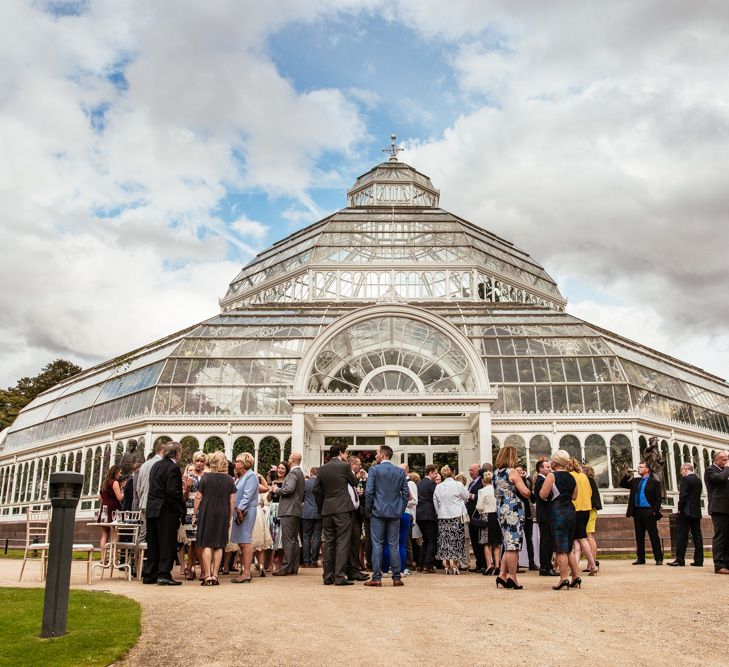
x=392, y=149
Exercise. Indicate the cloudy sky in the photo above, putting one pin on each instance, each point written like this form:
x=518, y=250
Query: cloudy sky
x=148, y=150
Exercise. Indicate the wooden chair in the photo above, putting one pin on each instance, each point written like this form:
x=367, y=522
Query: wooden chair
x=37, y=526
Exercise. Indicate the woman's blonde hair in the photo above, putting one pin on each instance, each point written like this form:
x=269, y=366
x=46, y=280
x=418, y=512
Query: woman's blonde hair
x=506, y=458
x=461, y=478
x=574, y=465
x=561, y=458
x=488, y=476
x=218, y=462
x=446, y=471
x=414, y=477
x=246, y=458
x=199, y=456
x=589, y=471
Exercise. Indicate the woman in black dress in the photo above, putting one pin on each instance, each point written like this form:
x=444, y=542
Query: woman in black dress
x=562, y=487
x=213, y=508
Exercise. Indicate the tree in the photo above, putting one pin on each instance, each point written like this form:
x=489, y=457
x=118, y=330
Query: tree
x=14, y=399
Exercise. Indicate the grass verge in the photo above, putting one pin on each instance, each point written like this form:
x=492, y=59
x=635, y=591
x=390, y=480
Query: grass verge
x=101, y=628
x=17, y=554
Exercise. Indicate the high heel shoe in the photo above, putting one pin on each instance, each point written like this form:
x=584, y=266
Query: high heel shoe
x=565, y=583
x=593, y=572
x=489, y=572
x=576, y=583
x=501, y=582
x=456, y=570
x=510, y=583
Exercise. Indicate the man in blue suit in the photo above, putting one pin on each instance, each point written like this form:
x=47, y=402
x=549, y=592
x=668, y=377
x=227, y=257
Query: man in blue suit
x=386, y=496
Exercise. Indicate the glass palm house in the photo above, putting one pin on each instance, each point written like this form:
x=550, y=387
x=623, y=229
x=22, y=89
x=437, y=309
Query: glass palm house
x=390, y=321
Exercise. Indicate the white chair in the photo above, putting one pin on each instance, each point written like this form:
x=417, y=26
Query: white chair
x=36, y=539
x=37, y=526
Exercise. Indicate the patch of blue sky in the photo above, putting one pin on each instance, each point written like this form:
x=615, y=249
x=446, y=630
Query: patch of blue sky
x=104, y=212
x=62, y=8
x=407, y=81
x=97, y=116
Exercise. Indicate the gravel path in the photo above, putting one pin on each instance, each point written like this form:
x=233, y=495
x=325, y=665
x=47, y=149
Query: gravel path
x=627, y=615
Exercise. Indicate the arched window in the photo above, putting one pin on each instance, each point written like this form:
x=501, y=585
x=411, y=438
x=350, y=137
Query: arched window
x=596, y=456
x=46, y=473
x=667, y=461
x=495, y=446
x=287, y=449
x=707, y=462
x=161, y=439
x=677, y=461
x=642, y=444
x=119, y=452
x=189, y=445
x=518, y=443
x=696, y=460
x=214, y=444
x=539, y=446
x=621, y=457
x=97, y=472
x=243, y=444
x=269, y=453
x=571, y=444
x=87, y=472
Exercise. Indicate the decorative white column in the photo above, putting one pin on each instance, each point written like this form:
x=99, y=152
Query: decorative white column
x=298, y=427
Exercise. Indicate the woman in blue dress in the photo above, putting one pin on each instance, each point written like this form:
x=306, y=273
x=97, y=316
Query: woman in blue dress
x=246, y=508
x=509, y=488
x=562, y=487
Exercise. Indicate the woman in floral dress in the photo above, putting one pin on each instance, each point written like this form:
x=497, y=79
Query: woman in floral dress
x=509, y=489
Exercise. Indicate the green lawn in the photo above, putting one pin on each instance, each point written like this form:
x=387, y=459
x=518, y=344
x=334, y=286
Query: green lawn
x=101, y=629
x=16, y=554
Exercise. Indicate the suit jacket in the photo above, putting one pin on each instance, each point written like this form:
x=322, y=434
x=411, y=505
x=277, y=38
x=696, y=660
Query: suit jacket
x=386, y=493
x=311, y=511
x=426, y=508
x=474, y=486
x=542, y=505
x=717, y=486
x=331, y=488
x=652, y=493
x=689, y=496
x=291, y=495
x=141, y=483
x=165, y=489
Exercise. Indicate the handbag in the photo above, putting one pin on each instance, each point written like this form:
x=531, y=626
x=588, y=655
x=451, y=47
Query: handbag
x=478, y=521
x=464, y=518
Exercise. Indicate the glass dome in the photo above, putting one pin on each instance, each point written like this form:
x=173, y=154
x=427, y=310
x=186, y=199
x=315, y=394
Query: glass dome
x=243, y=362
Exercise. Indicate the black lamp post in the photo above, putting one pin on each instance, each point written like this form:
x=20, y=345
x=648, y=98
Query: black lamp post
x=65, y=490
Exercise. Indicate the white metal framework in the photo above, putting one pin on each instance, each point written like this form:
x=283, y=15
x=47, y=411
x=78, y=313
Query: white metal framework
x=393, y=321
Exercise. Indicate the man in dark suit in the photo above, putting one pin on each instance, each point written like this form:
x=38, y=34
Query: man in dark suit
x=427, y=520
x=290, y=509
x=474, y=470
x=644, y=505
x=311, y=520
x=544, y=522
x=165, y=511
x=689, y=517
x=334, y=500
x=717, y=486
x=386, y=497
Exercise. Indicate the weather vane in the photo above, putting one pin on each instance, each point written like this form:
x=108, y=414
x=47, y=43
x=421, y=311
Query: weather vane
x=392, y=149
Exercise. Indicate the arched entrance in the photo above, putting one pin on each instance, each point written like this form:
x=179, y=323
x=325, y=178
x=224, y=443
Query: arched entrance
x=397, y=375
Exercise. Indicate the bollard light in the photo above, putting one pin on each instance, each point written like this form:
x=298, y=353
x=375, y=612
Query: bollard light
x=65, y=491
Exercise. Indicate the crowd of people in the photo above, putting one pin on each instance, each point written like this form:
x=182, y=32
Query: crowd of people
x=387, y=520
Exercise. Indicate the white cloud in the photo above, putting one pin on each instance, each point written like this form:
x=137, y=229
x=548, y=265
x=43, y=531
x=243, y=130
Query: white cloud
x=108, y=186
x=596, y=137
